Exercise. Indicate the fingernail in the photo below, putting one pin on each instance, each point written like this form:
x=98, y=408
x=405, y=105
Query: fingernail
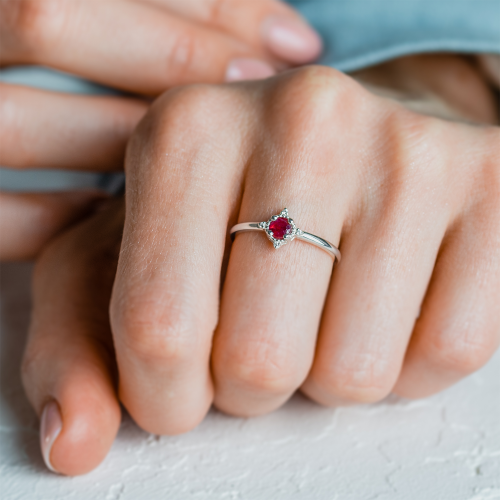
x=50, y=428
x=291, y=39
x=248, y=69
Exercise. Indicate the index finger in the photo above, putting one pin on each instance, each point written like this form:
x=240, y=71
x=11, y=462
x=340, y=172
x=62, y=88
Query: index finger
x=124, y=44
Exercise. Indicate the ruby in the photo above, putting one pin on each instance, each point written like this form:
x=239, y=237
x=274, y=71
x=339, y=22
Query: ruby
x=280, y=228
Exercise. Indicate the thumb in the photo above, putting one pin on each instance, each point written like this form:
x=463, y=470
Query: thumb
x=68, y=369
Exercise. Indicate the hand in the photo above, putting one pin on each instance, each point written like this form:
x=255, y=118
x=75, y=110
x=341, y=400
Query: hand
x=137, y=46
x=142, y=47
x=413, y=200
x=436, y=84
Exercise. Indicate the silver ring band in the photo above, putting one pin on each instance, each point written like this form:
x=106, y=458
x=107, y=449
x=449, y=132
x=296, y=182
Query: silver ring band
x=284, y=232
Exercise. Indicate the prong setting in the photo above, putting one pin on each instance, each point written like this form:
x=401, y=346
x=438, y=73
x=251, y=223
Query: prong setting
x=289, y=234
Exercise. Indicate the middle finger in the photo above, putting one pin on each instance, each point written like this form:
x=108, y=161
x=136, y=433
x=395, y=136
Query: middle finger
x=272, y=300
x=54, y=130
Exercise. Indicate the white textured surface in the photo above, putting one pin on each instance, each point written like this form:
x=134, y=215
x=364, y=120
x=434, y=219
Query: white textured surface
x=445, y=447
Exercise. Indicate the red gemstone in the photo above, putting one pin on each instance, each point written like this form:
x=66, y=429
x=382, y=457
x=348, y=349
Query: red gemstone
x=280, y=227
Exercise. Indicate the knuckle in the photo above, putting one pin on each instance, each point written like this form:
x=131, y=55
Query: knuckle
x=216, y=11
x=317, y=78
x=312, y=95
x=262, y=367
x=185, y=109
x=39, y=24
x=150, y=332
x=182, y=56
x=408, y=138
x=415, y=167
x=360, y=377
x=464, y=352
x=193, y=102
x=302, y=106
x=182, y=121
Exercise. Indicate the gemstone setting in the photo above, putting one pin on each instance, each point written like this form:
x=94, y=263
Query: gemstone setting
x=280, y=229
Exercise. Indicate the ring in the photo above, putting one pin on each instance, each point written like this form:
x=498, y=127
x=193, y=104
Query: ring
x=281, y=229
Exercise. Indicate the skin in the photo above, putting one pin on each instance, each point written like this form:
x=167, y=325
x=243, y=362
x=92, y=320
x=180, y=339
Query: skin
x=413, y=202
x=28, y=221
x=159, y=44
x=70, y=355
x=445, y=81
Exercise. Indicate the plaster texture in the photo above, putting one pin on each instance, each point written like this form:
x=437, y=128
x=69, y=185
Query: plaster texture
x=446, y=447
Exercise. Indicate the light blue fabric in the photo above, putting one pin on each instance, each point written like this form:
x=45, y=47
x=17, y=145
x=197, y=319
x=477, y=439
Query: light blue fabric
x=360, y=33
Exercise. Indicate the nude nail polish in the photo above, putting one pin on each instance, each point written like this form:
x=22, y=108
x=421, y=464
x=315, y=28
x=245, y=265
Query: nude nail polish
x=291, y=39
x=248, y=69
x=50, y=428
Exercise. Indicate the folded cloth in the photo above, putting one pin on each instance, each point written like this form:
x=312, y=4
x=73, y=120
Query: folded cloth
x=361, y=33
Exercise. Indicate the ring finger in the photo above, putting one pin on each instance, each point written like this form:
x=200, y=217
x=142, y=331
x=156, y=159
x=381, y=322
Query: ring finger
x=272, y=299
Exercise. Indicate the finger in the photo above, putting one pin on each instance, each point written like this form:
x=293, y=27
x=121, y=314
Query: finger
x=459, y=327
x=368, y=318
x=270, y=311
x=273, y=299
x=52, y=130
x=28, y=221
x=147, y=51
x=447, y=78
x=165, y=300
x=388, y=253
x=68, y=367
x=269, y=26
